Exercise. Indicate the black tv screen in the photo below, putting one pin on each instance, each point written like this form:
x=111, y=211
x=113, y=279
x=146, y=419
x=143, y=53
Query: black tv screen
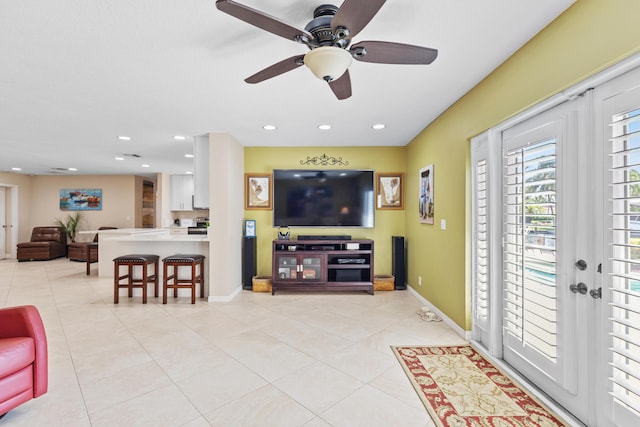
x=323, y=198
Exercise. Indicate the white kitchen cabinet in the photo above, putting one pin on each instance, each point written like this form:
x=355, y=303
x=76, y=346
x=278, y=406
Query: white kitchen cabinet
x=181, y=192
x=201, y=172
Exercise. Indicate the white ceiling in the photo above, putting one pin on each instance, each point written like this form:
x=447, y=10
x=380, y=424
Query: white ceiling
x=75, y=75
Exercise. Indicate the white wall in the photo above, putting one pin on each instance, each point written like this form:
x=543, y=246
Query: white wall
x=118, y=200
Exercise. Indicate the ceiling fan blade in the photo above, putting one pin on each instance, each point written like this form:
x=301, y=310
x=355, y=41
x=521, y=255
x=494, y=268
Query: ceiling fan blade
x=355, y=15
x=262, y=20
x=393, y=53
x=276, y=69
x=341, y=86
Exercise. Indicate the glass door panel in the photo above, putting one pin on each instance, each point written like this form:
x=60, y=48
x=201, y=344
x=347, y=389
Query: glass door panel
x=311, y=267
x=287, y=267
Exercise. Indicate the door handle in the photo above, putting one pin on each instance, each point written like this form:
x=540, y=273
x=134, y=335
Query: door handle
x=580, y=288
x=596, y=293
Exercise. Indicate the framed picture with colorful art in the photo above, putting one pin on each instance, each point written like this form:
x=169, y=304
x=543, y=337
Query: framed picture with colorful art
x=81, y=199
x=425, y=201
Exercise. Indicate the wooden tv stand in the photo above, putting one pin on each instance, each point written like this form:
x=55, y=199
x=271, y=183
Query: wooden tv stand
x=322, y=265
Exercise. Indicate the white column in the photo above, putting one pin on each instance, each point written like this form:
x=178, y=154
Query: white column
x=226, y=213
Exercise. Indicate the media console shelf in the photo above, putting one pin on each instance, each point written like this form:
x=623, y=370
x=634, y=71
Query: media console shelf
x=322, y=265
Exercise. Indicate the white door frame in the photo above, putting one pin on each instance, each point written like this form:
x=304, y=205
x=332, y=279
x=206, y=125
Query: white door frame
x=9, y=205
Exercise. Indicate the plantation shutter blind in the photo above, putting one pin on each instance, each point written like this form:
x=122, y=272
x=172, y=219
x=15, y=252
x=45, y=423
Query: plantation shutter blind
x=530, y=300
x=480, y=239
x=624, y=281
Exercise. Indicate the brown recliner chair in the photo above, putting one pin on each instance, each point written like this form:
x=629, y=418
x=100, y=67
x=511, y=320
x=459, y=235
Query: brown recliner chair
x=86, y=251
x=46, y=243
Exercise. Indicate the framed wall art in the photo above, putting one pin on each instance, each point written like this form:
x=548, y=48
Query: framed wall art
x=390, y=190
x=81, y=199
x=257, y=191
x=425, y=202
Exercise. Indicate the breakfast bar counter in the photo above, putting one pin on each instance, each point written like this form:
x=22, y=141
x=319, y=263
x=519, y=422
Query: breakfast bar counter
x=161, y=242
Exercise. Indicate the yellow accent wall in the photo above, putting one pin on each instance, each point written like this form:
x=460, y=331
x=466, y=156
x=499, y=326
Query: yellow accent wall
x=586, y=39
x=380, y=159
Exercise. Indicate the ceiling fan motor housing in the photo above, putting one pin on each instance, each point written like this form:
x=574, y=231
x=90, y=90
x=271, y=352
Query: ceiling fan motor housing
x=320, y=27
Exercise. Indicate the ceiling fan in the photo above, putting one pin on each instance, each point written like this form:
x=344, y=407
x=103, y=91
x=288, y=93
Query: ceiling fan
x=328, y=36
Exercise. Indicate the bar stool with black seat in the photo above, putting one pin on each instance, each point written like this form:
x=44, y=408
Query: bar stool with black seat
x=170, y=268
x=131, y=261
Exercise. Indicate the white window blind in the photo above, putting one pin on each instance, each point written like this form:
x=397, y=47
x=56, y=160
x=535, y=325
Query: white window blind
x=624, y=284
x=530, y=301
x=481, y=241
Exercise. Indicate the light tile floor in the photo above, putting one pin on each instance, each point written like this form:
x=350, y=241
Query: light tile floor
x=293, y=359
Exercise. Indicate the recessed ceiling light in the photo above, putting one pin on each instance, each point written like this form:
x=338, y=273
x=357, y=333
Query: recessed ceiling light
x=119, y=158
x=188, y=155
x=189, y=173
x=179, y=137
x=124, y=138
x=72, y=169
x=324, y=127
x=146, y=166
x=269, y=127
x=16, y=169
x=379, y=126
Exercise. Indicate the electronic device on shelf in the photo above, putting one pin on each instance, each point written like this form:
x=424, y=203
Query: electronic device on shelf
x=351, y=260
x=324, y=237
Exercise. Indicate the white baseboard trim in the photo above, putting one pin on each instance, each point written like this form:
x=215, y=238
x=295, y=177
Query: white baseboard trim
x=453, y=325
x=224, y=298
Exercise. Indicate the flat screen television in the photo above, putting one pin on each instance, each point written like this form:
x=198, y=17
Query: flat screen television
x=323, y=198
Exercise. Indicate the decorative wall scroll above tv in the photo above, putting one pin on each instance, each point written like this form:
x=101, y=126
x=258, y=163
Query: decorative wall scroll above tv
x=81, y=199
x=324, y=160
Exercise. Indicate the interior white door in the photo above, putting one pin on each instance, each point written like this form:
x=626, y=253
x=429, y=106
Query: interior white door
x=3, y=223
x=545, y=288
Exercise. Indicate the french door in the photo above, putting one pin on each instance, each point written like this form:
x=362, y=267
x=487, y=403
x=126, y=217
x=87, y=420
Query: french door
x=556, y=250
x=617, y=111
x=546, y=264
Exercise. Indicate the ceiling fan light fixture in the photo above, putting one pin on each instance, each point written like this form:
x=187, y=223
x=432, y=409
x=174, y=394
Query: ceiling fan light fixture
x=328, y=62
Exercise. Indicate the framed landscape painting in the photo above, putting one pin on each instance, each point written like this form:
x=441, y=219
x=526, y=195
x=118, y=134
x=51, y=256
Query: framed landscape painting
x=425, y=202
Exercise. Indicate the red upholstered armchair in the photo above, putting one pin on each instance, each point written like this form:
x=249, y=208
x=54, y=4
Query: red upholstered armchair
x=23, y=356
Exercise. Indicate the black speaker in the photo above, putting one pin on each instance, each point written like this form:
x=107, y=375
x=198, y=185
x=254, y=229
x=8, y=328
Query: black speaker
x=398, y=263
x=249, y=262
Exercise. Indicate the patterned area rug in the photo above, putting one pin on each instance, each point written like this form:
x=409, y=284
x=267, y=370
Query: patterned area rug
x=459, y=387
